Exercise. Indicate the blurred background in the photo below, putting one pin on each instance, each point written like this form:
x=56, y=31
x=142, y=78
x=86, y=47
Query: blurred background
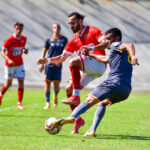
x=131, y=16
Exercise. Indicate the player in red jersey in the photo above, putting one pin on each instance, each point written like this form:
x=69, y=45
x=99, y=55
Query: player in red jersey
x=12, y=50
x=91, y=68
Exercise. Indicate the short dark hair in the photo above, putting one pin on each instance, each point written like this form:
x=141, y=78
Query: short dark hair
x=77, y=15
x=115, y=32
x=20, y=24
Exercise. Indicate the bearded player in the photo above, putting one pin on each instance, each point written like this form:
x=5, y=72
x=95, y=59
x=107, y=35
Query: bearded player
x=90, y=68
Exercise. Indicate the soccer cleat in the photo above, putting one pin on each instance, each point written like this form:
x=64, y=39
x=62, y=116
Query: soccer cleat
x=0, y=100
x=90, y=133
x=61, y=122
x=75, y=100
x=55, y=101
x=20, y=106
x=77, y=125
x=47, y=106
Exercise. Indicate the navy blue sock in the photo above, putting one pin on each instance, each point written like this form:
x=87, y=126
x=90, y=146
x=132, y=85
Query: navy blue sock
x=80, y=109
x=47, y=97
x=98, y=116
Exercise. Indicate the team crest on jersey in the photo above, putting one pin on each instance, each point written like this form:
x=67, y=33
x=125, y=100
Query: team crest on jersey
x=85, y=37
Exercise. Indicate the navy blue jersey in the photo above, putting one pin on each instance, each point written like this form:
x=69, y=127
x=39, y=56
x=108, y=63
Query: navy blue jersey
x=120, y=65
x=55, y=47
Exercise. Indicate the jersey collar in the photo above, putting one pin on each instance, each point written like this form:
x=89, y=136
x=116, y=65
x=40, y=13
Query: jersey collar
x=82, y=31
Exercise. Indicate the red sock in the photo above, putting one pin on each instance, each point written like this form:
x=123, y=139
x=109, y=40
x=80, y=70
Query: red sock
x=3, y=90
x=75, y=73
x=20, y=95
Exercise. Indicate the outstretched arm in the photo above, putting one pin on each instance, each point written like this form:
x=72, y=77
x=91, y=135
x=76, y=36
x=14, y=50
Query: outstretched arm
x=55, y=60
x=131, y=50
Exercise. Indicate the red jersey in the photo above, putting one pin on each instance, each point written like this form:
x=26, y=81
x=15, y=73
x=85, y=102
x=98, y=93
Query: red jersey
x=90, y=36
x=14, y=48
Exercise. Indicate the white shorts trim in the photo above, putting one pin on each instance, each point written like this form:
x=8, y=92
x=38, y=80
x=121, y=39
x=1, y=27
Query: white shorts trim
x=15, y=72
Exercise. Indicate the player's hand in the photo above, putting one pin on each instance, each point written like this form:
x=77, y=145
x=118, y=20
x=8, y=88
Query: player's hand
x=42, y=61
x=41, y=67
x=134, y=60
x=85, y=50
x=25, y=50
x=11, y=62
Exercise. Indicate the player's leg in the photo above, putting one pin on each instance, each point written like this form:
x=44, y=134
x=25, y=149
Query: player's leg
x=56, y=80
x=99, y=114
x=75, y=67
x=47, y=93
x=5, y=87
x=48, y=78
x=20, y=75
x=20, y=93
x=56, y=91
x=9, y=73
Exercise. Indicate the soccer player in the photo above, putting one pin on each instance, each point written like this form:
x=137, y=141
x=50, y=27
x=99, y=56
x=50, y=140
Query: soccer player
x=53, y=46
x=116, y=87
x=91, y=68
x=12, y=50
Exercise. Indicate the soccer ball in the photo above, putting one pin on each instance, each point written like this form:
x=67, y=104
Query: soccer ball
x=49, y=126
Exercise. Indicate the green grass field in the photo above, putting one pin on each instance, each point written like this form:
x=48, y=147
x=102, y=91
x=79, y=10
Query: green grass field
x=126, y=125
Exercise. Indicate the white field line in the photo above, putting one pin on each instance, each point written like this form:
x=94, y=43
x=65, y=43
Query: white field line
x=15, y=107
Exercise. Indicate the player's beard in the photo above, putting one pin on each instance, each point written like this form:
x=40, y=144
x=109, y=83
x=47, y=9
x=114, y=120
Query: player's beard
x=76, y=29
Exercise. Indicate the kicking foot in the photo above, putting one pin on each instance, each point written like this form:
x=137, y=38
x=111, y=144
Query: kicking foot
x=61, y=122
x=75, y=100
x=77, y=125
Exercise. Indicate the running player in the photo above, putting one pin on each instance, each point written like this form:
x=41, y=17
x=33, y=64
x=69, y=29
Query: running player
x=117, y=87
x=12, y=50
x=54, y=46
x=91, y=68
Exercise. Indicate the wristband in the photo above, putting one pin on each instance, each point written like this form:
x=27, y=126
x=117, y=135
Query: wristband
x=49, y=60
x=93, y=48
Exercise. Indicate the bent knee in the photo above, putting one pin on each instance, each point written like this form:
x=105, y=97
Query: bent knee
x=74, y=61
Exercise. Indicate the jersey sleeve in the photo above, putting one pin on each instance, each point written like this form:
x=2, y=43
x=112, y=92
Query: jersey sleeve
x=6, y=44
x=70, y=47
x=116, y=46
x=47, y=44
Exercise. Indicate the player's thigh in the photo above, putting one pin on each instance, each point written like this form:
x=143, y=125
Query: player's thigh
x=120, y=93
x=92, y=66
x=57, y=71
x=20, y=73
x=87, y=78
x=9, y=72
x=75, y=62
x=49, y=73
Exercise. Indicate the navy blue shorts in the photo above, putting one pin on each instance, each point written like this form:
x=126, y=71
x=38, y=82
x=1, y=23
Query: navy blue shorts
x=115, y=92
x=52, y=73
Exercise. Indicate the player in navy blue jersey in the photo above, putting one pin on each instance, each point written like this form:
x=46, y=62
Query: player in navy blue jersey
x=116, y=87
x=53, y=46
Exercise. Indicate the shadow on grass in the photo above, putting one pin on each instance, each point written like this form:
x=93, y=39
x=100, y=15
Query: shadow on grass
x=127, y=137
x=79, y=136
